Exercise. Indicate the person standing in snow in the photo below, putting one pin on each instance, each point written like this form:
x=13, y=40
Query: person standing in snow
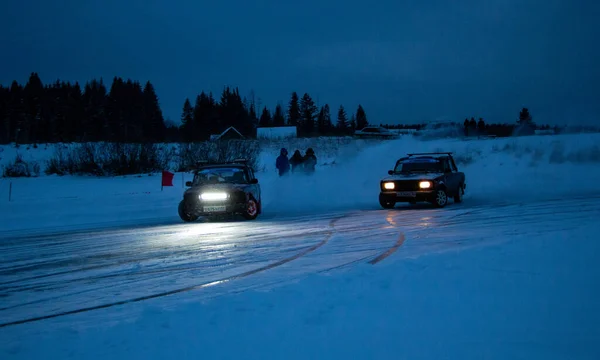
x=310, y=161
x=296, y=161
x=282, y=163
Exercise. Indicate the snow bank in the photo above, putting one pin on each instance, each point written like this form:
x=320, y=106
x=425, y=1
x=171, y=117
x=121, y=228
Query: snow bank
x=348, y=174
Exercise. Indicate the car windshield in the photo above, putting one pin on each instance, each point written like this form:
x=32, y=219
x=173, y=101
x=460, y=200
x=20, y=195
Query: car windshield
x=230, y=175
x=419, y=165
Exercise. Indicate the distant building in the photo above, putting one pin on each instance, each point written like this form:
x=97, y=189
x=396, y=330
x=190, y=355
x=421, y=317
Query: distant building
x=277, y=132
x=230, y=133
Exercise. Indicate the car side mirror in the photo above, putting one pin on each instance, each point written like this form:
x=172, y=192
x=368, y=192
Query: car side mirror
x=254, y=181
x=188, y=183
x=390, y=172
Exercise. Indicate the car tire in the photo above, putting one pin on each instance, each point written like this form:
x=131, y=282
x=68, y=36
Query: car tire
x=458, y=198
x=386, y=204
x=440, y=198
x=185, y=215
x=252, y=209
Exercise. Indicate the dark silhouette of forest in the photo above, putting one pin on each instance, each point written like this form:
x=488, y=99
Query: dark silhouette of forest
x=129, y=112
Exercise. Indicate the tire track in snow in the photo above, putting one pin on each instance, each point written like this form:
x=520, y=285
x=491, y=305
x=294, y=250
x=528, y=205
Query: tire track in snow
x=390, y=251
x=184, y=289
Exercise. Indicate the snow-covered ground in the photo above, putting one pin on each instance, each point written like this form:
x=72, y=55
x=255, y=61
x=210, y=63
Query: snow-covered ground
x=324, y=273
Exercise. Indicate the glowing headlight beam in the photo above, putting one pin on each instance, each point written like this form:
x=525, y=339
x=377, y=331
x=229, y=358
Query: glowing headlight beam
x=213, y=196
x=425, y=184
x=389, y=185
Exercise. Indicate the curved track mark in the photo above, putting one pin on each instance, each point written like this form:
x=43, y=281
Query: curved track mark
x=185, y=289
x=390, y=251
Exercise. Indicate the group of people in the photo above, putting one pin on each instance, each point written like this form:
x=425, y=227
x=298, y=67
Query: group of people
x=297, y=163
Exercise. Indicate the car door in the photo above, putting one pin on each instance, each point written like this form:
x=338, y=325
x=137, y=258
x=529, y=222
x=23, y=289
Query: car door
x=254, y=188
x=451, y=176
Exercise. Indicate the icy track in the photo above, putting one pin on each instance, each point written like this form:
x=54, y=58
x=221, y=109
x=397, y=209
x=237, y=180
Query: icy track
x=80, y=272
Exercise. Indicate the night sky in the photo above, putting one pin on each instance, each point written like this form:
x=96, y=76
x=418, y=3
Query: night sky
x=404, y=61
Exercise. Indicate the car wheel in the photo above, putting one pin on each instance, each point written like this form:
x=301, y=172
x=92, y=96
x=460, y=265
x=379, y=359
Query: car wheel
x=251, y=210
x=458, y=198
x=386, y=204
x=184, y=214
x=441, y=198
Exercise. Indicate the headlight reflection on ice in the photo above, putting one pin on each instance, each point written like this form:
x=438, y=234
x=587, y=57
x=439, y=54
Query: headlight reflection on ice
x=213, y=196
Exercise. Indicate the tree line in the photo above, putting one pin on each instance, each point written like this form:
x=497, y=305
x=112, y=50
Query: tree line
x=208, y=116
x=64, y=112
x=471, y=127
x=129, y=112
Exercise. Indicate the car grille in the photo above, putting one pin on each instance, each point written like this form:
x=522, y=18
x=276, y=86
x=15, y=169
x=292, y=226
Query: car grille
x=235, y=197
x=405, y=185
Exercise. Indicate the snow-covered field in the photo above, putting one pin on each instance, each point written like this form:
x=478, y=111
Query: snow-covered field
x=104, y=268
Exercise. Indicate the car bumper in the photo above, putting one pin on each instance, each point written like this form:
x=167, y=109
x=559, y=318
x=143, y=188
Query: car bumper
x=408, y=196
x=214, y=208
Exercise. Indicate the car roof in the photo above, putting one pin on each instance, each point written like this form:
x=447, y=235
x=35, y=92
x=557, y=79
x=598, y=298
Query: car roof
x=422, y=159
x=217, y=166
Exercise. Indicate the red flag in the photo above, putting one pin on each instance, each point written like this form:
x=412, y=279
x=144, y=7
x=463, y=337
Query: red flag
x=167, y=178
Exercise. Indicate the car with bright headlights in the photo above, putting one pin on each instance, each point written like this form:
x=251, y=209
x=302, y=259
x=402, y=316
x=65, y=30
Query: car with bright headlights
x=228, y=188
x=423, y=177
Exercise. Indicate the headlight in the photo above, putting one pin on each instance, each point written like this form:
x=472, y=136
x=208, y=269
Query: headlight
x=389, y=185
x=425, y=184
x=213, y=196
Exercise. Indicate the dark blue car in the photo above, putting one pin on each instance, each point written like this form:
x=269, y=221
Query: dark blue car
x=222, y=189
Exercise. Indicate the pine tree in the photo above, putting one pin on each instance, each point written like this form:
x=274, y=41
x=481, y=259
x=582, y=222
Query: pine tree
x=353, y=123
x=233, y=112
x=308, y=111
x=473, y=123
x=328, y=125
x=95, y=123
x=16, y=113
x=525, y=117
x=324, y=125
x=294, y=110
x=342, y=120
x=200, y=130
x=75, y=114
x=361, y=118
x=481, y=124
x=118, y=110
x=33, y=128
x=154, y=124
x=265, y=118
x=187, y=120
x=5, y=128
x=252, y=117
x=321, y=122
x=278, y=116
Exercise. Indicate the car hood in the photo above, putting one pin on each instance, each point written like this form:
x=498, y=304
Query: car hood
x=426, y=176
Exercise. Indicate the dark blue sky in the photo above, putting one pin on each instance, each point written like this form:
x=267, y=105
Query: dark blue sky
x=404, y=61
